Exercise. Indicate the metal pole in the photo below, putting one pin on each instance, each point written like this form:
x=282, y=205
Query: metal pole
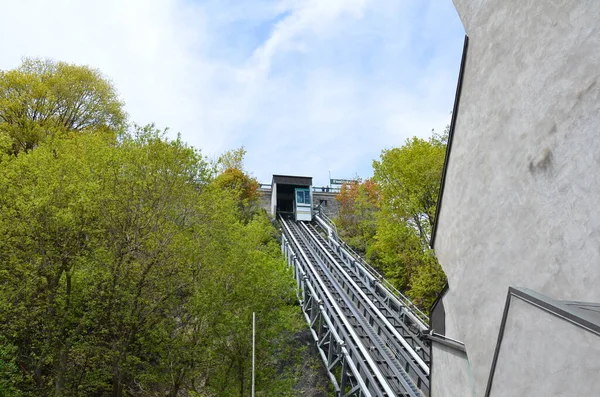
x=253, y=349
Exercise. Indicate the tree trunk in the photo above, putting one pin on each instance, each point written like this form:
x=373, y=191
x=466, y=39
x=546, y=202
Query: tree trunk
x=59, y=372
x=241, y=376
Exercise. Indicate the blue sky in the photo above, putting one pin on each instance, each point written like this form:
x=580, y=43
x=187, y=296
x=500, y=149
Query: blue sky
x=306, y=86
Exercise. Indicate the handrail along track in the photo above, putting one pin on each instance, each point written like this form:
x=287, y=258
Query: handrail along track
x=368, y=339
x=349, y=255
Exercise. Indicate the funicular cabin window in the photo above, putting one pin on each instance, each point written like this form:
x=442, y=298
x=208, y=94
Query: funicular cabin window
x=302, y=197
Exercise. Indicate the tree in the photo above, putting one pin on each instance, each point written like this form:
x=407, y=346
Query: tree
x=396, y=250
x=231, y=176
x=126, y=269
x=358, y=205
x=231, y=159
x=409, y=179
x=389, y=218
x=42, y=99
x=10, y=376
x=95, y=232
x=244, y=189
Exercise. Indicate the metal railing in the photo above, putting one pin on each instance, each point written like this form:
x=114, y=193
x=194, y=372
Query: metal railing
x=327, y=220
x=348, y=363
x=315, y=189
x=325, y=189
x=368, y=347
x=404, y=299
x=374, y=273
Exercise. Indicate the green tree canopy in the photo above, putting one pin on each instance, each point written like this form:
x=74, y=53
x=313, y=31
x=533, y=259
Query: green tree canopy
x=359, y=203
x=409, y=179
x=231, y=159
x=126, y=269
x=42, y=99
x=390, y=217
x=231, y=176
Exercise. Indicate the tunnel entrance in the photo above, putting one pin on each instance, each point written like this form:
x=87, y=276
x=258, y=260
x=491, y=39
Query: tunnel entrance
x=283, y=191
x=285, y=198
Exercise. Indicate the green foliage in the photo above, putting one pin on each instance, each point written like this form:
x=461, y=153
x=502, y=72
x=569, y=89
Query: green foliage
x=230, y=176
x=427, y=281
x=231, y=159
x=391, y=217
x=359, y=203
x=10, y=377
x=396, y=250
x=43, y=99
x=243, y=188
x=129, y=265
x=126, y=269
x=409, y=179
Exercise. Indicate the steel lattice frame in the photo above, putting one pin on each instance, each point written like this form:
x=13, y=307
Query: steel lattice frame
x=343, y=373
x=369, y=339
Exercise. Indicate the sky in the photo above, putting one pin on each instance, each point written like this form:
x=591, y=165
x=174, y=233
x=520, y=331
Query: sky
x=308, y=87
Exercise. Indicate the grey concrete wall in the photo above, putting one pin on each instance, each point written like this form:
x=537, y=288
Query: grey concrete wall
x=265, y=200
x=542, y=355
x=451, y=376
x=332, y=207
x=521, y=205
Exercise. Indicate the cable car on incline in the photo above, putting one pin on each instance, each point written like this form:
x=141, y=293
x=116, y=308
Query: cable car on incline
x=303, y=204
x=292, y=196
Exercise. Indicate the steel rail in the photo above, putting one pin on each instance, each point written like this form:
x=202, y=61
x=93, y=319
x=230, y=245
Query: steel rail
x=329, y=225
x=356, y=342
x=388, y=325
x=418, y=317
x=331, y=328
x=296, y=234
x=397, y=313
x=400, y=380
x=301, y=275
x=412, y=310
x=340, y=315
x=405, y=363
x=374, y=291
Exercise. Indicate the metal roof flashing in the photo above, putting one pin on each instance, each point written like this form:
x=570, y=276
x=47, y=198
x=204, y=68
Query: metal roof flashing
x=292, y=180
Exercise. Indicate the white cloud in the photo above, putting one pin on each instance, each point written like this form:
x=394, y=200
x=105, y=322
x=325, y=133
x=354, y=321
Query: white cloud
x=307, y=86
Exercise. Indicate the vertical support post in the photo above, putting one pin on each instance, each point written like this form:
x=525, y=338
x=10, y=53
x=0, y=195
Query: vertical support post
x=253, y=350
x=344, y=377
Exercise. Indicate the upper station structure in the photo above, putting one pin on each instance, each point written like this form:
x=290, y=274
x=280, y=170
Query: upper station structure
x=290, y=194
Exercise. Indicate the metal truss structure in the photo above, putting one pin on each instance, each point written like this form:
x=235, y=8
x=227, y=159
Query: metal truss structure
x=369, y=337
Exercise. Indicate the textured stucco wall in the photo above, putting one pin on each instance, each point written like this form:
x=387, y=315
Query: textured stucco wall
x=542, y=355
x=521, y=206
x=451, y=374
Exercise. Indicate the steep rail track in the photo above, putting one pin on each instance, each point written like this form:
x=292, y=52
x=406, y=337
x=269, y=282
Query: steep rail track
x=368, y=339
